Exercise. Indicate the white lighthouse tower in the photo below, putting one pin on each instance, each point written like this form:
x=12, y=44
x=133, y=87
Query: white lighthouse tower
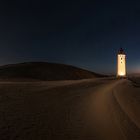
x=121, y=64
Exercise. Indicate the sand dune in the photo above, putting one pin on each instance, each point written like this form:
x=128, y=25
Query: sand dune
x=98, y=109
x=44, y=71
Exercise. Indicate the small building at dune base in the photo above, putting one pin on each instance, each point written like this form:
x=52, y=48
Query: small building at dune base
x=121, y=64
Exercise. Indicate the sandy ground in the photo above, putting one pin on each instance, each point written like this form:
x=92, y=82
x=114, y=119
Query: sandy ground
x=98, y=109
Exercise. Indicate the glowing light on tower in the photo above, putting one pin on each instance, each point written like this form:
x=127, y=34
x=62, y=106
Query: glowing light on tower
x=121, y=64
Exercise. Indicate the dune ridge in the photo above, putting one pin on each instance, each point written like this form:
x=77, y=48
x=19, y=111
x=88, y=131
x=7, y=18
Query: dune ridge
x=44, y=71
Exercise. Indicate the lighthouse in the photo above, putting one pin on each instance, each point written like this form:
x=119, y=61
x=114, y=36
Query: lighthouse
x=121, y=63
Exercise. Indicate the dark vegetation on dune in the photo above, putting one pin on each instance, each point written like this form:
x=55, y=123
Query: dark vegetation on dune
x=44, y=71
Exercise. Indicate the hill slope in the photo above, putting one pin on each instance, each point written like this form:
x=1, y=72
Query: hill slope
x=44, y=71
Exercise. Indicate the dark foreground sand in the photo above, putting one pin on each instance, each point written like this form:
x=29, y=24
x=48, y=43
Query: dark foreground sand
x=98, y=109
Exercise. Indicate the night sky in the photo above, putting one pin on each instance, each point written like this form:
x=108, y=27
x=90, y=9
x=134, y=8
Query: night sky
x=86, y=34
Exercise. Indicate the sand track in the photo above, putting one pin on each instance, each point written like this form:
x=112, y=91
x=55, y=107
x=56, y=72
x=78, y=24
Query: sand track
x=113, y=121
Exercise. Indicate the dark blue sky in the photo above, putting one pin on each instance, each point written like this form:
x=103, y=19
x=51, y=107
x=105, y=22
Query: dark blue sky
x=86, y=33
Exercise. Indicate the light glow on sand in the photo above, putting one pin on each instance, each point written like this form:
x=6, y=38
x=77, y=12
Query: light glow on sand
x=121, y=65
